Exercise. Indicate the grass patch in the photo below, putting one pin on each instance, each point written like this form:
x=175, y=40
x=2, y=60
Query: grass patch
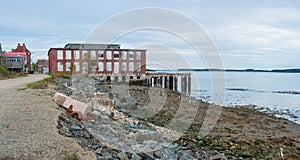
x=4, y=74
x=42, y=84
x=61, y=75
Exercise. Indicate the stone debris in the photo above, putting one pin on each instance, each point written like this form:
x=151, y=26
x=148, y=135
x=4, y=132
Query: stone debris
x=115, y=134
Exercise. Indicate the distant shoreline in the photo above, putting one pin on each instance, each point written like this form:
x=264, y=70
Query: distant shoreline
x=233, y=70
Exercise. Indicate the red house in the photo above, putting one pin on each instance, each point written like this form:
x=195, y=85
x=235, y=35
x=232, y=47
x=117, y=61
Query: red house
x=107, y=61
x=43, y=66
x=22, y=48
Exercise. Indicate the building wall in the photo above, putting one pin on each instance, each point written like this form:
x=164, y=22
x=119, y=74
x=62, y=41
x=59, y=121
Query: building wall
x=42, y=66
x=23, y=48
x=109, y=62
x=12, y=63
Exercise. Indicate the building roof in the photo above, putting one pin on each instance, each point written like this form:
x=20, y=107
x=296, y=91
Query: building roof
x=92, y=46
x=21, y=48
x=42, y=63
x=16, y=54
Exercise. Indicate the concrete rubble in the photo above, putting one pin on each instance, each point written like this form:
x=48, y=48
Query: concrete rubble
x=113, y=134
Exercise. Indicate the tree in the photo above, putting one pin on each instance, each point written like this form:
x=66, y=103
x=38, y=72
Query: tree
x=72, y=67
x=34, y=66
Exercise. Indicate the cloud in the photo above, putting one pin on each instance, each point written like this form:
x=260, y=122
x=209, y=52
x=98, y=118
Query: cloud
x=248, y=34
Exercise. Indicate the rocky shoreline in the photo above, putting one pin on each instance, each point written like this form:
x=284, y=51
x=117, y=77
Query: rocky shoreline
x=240, y=133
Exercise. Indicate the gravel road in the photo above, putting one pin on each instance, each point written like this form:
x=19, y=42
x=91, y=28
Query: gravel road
x=28, y=124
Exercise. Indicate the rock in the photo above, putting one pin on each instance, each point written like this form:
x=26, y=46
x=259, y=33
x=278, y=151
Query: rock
x=87, y=135
x=144, y=135
x=216, y=157
x=246, y=154
x=75, y=127
x=123, y=156
x=186, y=154
x=136, y=157
x=96, y=113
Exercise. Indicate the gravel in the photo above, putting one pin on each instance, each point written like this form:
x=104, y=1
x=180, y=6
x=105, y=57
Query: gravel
x=28, y=124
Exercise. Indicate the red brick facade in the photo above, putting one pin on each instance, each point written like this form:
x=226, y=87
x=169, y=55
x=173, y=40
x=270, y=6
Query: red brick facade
x=42, y=66
x=116, y=63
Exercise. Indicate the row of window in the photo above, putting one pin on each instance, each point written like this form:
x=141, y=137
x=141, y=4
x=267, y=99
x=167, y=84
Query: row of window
x=100, y=66
x=108, y=54
x=13, y=60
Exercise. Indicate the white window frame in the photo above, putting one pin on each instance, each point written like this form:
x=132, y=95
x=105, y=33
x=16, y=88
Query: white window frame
x=68, y=65
x=108, y=66
x=131, y=67
x=76, y=55
x=138, y=67
x=124, y=55
x=77, y=66
x=108, y=54
x=60, y=54
x=100, y=66
x=68, y=54
x=116, y=67
x=93, y=54
x=138, y=55
x=124, y=67
x=84, y=54
x=100, y=52
x=131, y=55
x=116, y=53
x=60, y=66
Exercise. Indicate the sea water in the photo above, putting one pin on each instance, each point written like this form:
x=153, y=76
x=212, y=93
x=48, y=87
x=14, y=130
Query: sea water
x=278, y=92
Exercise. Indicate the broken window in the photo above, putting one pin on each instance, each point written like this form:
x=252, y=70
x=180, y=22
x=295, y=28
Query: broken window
x=60, y=66
x=100, y=54
x=131, y=55
x=116, y=54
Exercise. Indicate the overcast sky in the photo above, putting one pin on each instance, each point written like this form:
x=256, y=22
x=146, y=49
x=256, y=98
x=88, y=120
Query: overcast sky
x=260, y=34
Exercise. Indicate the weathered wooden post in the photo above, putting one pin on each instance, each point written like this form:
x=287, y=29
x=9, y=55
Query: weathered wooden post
x=171, y=79
x=176, y=83
x=183, y=84
x=167, y=82
x=189, y=84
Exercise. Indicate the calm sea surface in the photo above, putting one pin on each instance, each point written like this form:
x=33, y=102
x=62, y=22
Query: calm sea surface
x=276, y=91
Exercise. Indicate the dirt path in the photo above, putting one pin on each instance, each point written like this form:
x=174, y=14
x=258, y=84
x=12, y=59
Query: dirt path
x=28, y=124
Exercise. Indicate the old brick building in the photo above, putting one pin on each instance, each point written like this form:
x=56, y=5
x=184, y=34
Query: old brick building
x=106, y=61
x=23, y=48
x=43, y=66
